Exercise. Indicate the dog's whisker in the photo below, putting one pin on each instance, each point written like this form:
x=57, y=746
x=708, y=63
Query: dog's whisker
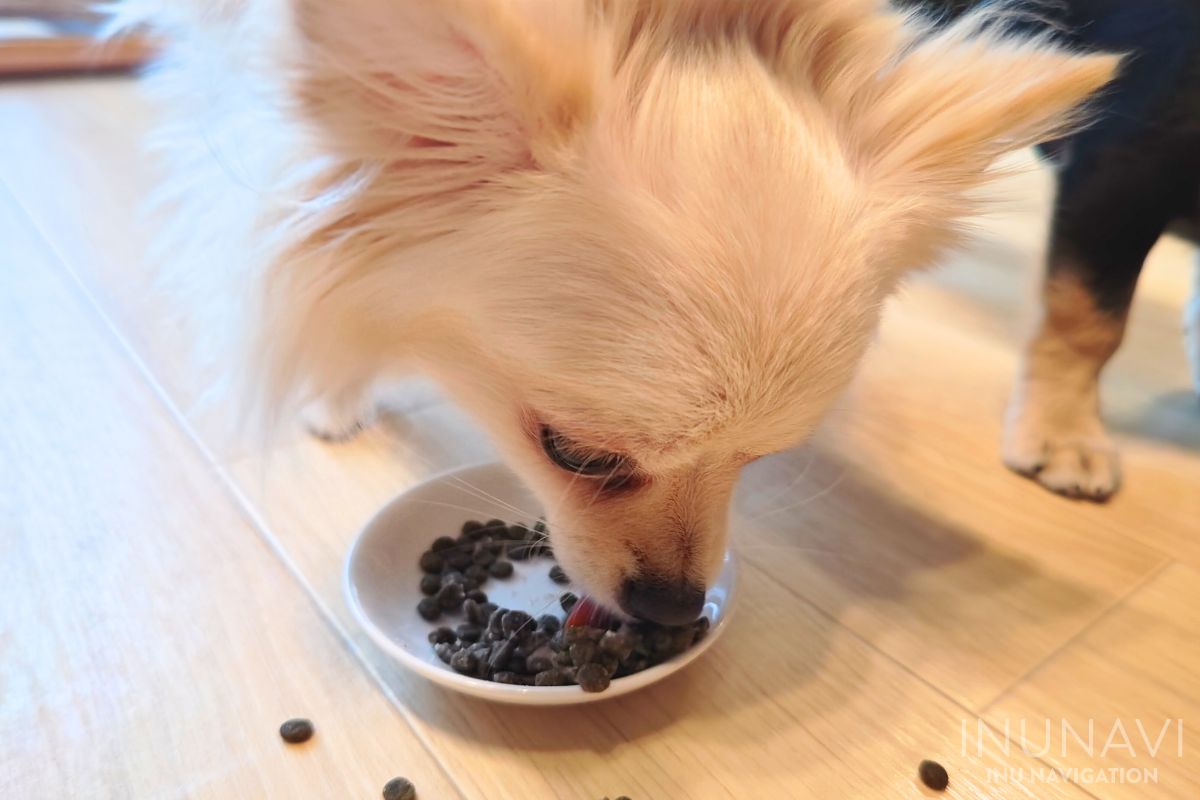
x=795, y=480
x=484, y=495
x=811, y=498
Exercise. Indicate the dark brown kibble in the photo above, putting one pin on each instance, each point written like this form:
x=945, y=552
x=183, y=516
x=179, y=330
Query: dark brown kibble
x=583, y=652
x=501, y=569
x=469, y=632
x=539, y=526
x=432, y=562
x=430, y=584
x=439, y=635
x=549, y=677
x=568, y=601
x=445, y=650
x=559, y=575
x=505, y=677
x=502, y=653
x=540, y=659
x=470, y=527
x=515, y=622
x=478, y=596
x=592, y=678
x=442, y=543
x=495, y=625
x=459, y=559
x=295, y=731
x=399, y=789
x=519, y=552
x=518, y=531
x=549, y=624
x=496, y=528
x=453, y=576
x=933, y=775
x=464, y=661
x=617, y=644
x=429, y=609
x=450, y=597
x=472, y=612
x=476, y=574
x=483, y=556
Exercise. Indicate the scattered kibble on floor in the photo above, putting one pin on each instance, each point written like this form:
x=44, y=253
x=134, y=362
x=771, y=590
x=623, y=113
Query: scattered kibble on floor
x=295, y=731
x=509, y=646
x=399, y=789
x=933, y=775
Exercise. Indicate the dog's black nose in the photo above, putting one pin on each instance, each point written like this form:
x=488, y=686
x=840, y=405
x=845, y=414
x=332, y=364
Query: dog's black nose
x=667, y=603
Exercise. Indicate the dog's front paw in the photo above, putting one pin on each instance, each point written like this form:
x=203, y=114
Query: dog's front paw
x=335, y=421
x=1061, y=445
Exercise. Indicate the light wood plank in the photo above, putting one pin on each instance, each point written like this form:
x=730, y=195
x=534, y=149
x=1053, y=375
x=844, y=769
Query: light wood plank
x=150, y=642
x=1137, y=666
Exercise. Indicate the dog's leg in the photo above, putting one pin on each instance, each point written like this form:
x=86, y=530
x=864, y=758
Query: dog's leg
x=1191, y=326
x=339, y=417
x=1053, y=431
x=1104, y=226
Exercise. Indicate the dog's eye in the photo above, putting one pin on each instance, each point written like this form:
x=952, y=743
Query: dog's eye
x=569, y=456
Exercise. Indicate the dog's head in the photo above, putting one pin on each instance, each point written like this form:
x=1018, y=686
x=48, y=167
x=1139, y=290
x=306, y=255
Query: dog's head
x=644, y=242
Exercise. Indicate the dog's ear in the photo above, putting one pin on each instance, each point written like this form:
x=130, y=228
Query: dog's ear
x=929, y=124
x=475, y=86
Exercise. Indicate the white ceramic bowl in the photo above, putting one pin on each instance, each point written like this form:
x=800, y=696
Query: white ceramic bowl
x=382, y=580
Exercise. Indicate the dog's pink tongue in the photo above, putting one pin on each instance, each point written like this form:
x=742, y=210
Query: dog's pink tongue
x=587, y=613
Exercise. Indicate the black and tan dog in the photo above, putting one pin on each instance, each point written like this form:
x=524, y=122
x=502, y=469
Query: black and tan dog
x=1123, y=181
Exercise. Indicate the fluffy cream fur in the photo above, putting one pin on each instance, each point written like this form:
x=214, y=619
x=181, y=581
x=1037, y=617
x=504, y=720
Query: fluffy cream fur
x=665, y=227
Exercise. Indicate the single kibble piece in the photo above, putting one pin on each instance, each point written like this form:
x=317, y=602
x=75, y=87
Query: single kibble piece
x=496, y=527
x=469, y=632
x=478, y=596
x=439, y=635
x=464, y=662
x=500, y=569
x=549, y=624
x=568, y=601
x=476, y=573
x=459, y=559
x=429, y=609
x=933, y=775
x=519, y=552
x=430, y=584
x=399, y=789
x=539, y=526
x=592, y=678
x=559, y=575
x=470, y=527
x=295, y=731
x=442, y=543
x=450, y=597
x=432, y=562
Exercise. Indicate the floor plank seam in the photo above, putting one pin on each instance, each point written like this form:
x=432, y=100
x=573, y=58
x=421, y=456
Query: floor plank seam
x=229, y=484
x=1100, y=616
x=978, y=715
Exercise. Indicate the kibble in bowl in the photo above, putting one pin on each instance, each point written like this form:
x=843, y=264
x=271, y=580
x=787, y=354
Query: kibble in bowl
x=459, y=639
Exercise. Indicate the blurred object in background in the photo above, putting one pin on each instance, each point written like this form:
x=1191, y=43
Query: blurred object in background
x=55, y=37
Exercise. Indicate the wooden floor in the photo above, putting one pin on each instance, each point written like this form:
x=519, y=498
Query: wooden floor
x=166, y=599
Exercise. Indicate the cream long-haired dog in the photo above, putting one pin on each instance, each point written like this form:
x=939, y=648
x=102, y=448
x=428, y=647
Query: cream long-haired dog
x=643, y=242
